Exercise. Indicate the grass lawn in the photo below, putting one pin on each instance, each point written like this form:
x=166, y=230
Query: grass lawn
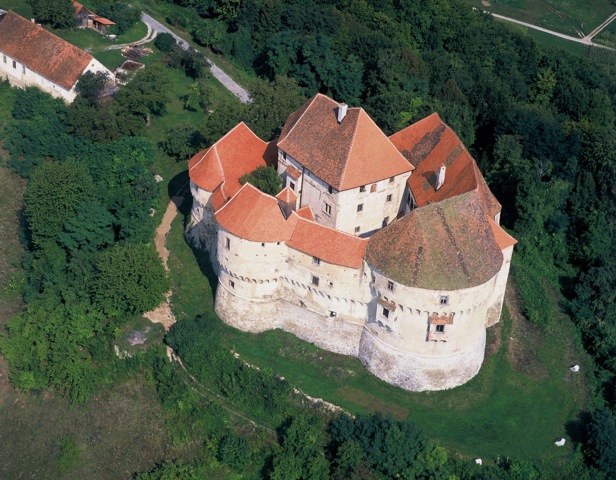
x=565, y=16
x=522, y=400
x=18, y=6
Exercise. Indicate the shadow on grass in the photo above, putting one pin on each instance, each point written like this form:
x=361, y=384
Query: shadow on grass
x=176, y=186
x=576, y=429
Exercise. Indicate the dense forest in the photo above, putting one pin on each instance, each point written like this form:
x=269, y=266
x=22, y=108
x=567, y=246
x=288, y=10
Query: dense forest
x=540, y=122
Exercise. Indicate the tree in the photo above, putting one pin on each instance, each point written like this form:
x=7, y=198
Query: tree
x=124, y=15
x=165, y=42
x=265, y=179
x=55, y=193
x=181, y=142
x=130, y=279
x=57, y=13
x=272, y=103
x=234, y=451
x=90, y=85
x=90, y=230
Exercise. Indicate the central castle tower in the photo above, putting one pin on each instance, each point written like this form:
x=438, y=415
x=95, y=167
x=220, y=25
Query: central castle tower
x=388, y=249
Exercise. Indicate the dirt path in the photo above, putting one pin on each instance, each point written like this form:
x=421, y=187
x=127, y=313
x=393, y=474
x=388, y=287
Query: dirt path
x=162, y=313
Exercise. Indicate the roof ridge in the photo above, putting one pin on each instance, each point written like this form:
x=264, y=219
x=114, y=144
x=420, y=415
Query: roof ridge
x=222, y=170
x=205, y=152
x=348, y=155
x=310, y=102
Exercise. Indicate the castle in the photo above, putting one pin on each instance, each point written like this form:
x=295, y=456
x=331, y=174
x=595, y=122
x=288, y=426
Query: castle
x=386, y=248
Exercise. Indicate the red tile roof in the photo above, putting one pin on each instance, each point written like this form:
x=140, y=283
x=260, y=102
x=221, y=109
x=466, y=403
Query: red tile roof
x=239, y=152
x=503, y=239
x=444, y=246
x=219, y=198
x=306, y=212
x=255, y=216
x=287, y=195
x=41, y=51
x=293, y=172
x=78, y=6
x=430, y=144
x=331, y=246
x=345, y=155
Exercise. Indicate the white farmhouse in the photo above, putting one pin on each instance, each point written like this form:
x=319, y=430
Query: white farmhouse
x=30, y=56
x=388, y=249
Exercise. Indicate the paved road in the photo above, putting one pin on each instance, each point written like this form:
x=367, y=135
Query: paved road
x=221, y=76
x=584, y=41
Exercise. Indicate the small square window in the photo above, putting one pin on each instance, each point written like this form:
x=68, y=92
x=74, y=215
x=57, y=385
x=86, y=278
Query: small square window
x=231, y=283
x=390, y=286
x=444, y=300
x=391, y=179
x=263, y=244
x=362, y=188
x=386, y=312
x=228, y=243
x=388, y=198
x=316, y=261
x=357, y=229
x=360, y=208
x=315, y=280
x=292, y=185
x=327, y=208
x=440, y=328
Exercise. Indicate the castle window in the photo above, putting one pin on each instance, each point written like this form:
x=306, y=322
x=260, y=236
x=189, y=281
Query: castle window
x=390, y=286
x=373, y=188
x=331, y=284
x=385, y=221
x=316, y=261
x=385, y=312
x=388, y=198
x=327, y=208
x=263, y=244
x=23, y=69
x=440, y=328
x=14, y=64
x=391, y=179
x=360, y=208
x=357, y=229
x=315, y=280
x=4, y=58
x=362, y=189
x=444, y=300
x=231, y=283
x=228, y=243
x=284, y=155
x=292, y=185
x=330, y=189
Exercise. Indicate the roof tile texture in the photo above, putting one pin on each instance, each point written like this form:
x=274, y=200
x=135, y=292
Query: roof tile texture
x=42, y=51
x=444, y=246
x=345, y=155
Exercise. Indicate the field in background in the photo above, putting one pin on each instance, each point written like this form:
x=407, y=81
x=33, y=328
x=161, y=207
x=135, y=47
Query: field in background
x=522, y=400
x=565, y=16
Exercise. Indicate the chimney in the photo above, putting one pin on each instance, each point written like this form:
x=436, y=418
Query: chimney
x=33, y=20
x=440, y=177
x=342, y=111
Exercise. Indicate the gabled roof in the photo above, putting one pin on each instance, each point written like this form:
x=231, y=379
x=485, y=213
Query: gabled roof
x=255, y=216
x=41, y=51
x=78, y=6
x=306, y=212
x=239, y=152
x=331, y=246
x=430, y=144
x=445, y=246
x=345, y=155
x=502, y=238
x=287, y=195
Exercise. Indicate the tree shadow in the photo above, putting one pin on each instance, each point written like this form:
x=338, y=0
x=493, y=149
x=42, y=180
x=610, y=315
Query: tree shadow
x=576, y=429
x=178, y=184
x=205, y=265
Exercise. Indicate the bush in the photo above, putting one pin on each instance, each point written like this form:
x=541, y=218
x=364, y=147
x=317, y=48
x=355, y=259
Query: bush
x=265, y=179
x=234, y=451
x=165, y=42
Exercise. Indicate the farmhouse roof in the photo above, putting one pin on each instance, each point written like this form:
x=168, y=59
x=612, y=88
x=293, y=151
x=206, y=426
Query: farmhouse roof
x=331, y=246
x=445, y=246
x=346, y=154
x=255, y=216
x=78, y=6
x=430, y=144
x=239, y=152
x=42, y=51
